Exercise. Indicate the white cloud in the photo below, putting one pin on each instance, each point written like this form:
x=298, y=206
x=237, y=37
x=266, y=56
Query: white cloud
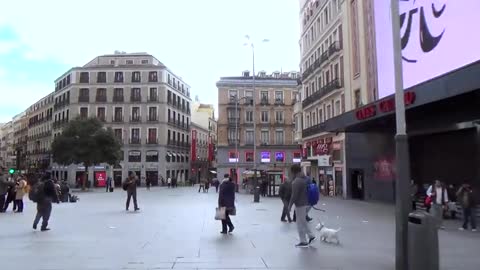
x=7, y=46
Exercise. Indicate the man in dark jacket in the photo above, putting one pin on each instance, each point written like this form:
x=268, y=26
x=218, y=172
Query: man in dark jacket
x=44, y=204
x=465, y=197
x=4, y=188
x=226, y=198
x=131, y=184
x=285, y=193
x=300, y=200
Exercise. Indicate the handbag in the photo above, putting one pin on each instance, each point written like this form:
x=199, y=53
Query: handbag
x=428, y=201
x=220, y=213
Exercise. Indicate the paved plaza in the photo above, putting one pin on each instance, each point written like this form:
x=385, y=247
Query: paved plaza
x=175, y=229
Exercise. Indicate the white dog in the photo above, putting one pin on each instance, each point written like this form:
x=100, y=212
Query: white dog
x=326, y=234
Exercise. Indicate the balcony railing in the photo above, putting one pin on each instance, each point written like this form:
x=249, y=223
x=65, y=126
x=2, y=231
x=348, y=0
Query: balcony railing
x=333, y=85
x=152, y=141
x=313, y=130
x=248, y=101
x=117, y=119
x=135, y=119
x=264, y=101
x=101, y=98
x=232, y=101
x=118, y=98
x=233, y=141
x=61, y=104
x=152, y=119
x=153, y=98
x=83, y=99
x=334, y=47
x=101, y=118
x=134, y=141
x=279, y=101
x=234, y=120
x=135, y=98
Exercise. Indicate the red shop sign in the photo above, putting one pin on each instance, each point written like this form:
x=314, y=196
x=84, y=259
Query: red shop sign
x=384, y=106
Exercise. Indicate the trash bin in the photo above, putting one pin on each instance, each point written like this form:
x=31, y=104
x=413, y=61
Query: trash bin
x=256, y=194
x=422, y=241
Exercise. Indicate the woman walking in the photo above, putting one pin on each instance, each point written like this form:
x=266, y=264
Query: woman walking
x=226, y=198
x=21, y=190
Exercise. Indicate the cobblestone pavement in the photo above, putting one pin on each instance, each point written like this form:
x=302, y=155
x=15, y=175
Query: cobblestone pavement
x=175, y=229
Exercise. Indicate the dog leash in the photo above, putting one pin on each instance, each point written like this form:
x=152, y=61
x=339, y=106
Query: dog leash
x=318, y=209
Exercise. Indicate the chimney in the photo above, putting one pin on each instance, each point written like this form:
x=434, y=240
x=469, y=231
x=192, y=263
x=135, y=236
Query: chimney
x=246, y=73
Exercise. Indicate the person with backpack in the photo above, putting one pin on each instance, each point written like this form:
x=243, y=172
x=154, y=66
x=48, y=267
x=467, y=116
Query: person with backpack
x=43, y=193
x=299, y=198
x=4, y=187
x=467, y=200
x=285, y=193
x=439, y=200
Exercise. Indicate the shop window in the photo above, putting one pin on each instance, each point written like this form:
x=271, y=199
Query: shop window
x=249, y=156
x=134, y=156
x=297, y=157
x=233, y=156
x=279, y=156
x=152, y=156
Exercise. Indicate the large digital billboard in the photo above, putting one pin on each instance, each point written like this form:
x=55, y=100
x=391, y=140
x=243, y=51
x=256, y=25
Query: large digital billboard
x=437, y=36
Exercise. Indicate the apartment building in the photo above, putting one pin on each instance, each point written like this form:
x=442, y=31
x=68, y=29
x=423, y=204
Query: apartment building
x=7, y=153
x=273, y=116
x=204, y=140
x=146, y=105
x=40, y=135
x=338, y=74
x=20, y=138
x=323, y=89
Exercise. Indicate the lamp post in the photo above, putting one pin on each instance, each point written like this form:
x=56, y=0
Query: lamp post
x=401, y=149
x=237, y=139
x=255, y=180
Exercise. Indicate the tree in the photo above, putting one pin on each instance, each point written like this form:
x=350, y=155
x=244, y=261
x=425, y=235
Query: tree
x=86, y=141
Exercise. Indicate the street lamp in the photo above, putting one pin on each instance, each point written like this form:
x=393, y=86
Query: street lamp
x=255, y=181
x=402, y=154
x=237, y=135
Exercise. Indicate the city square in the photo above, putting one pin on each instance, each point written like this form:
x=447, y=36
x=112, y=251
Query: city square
x=175, y=229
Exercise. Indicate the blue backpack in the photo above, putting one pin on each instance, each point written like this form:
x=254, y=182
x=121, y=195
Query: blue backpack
x=313, y=194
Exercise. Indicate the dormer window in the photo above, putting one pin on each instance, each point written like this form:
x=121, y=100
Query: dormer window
x=246, y=73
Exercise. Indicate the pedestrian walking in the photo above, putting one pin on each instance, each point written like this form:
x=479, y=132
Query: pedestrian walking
x=226, y=198
x=4, y=188
x=299, y=198
x=21, y=189
x=169, y=182
x=45, y=194
x=148, y=183
x=216, y=183
x=130, y=185
x=466, y=198
x=285, y=194
x=11, y=193
x=207, y=185
x=201, y=186
x=413, y=194
x=108, y=184
x=439, y=197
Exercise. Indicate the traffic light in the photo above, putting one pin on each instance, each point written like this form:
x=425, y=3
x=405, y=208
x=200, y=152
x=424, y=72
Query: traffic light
x=11, y=171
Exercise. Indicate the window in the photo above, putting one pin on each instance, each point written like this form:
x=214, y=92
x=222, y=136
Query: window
x=337, y=108
x=320, y=116
x=265, y=156
x=357, y=98
x=84, y=77
x=233, y=136
x=135, y=136
x=118, y=115
x=249, y=137
x=118, y=132
x=152, y=114
x=297, y=157
x=249, y=116
x=83, y=112
x=101, y=113
x=118, y=95
x=135, y=114
x=264, y=117
x=101, y=77
x=279, y=156
x=136, y=76
x=135, y=95
x=264, y=96
x=279, y=140
x=134, y=156
x=249, y=156
x=152, y=136
x=341, y=70
x=169, y=97
x=335, y=72
x=152, y=76
x=129, y=62
x=355, y=39
x=144, y=62
x=329, y=112
x=342, y=102
x=101, y=95
x=278, y=116
x=84, y=95
x=265, y=137
x=340, y=36
x=152, y=94
x=151, y=156
x=233, y=95
x=232, y=115
x=232, y=156
x=118, y=77
x=278, y=97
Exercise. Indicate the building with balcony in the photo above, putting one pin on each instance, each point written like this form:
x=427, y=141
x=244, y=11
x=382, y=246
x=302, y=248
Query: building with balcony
x=20, y=137
x=338, y=74
x=273, y=118
x=146, y=105
x=204, y=141
x=40, y=136
x=7, y=151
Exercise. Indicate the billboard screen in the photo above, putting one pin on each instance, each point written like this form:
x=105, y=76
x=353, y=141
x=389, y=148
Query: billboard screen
x=437, y=36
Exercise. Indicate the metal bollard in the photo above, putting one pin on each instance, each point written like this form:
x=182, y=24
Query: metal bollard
x=256, y=194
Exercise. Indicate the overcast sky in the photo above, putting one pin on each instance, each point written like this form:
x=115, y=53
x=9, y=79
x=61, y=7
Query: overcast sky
x=200, y=40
